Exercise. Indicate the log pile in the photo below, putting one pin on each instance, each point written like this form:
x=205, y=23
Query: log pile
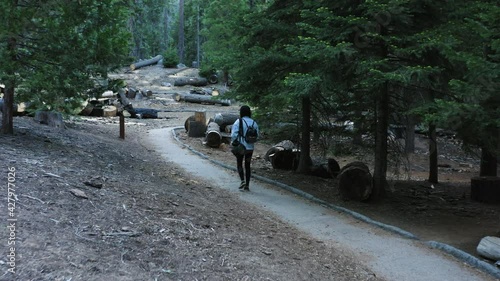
x=355, y=182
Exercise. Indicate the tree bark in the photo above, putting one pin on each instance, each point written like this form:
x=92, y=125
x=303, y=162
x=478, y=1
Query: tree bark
x=201, y=99
x=488, y=165
x=380, y=169
x=410, y=134
x=8, y=105
x=181, y=42
x=225, y=119
x=193, y=81
x=433, y=154
x=213, y=136
x=485, y=189
x=355, y=182
x=489, y=247
x=305, y=147
x=144, y=63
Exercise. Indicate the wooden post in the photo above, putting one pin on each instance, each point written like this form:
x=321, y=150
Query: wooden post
x=122, y=126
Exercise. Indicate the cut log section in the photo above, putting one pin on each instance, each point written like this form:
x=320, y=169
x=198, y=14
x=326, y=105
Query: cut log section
x=225, y=119
x=186, y=123
x=196, y=129
x=144, y=63
x=200, y=99
x=193, y=81
x=489, y=247
x=109, y=111
x=355, y=182
x=213, y=136
x=485, y=189
x=283, y=155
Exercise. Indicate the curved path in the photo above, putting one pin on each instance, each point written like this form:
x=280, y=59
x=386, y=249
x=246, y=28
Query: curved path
x=388, y=255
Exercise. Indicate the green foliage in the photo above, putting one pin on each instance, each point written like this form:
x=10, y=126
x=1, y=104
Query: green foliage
x=170, y=58
x=61, y=50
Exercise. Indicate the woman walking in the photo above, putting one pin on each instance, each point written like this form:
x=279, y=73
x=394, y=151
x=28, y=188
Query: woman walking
x=245, y=131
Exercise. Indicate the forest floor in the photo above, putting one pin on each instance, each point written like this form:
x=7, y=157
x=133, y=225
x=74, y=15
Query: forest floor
x=90, y=206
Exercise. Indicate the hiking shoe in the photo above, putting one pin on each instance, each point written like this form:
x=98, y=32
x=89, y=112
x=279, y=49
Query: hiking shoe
x=242, y=185
x=246, y=188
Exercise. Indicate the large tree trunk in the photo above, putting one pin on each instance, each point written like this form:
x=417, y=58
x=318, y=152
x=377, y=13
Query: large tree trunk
x=410, y=134
x=488, y=167
x=180, y=45
x=8, y=106
x=433, y=154
x=305, y=147
x=144, y=63
x=201, y=99
x=380, y=167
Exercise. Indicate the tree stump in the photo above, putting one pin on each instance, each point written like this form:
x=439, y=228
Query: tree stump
x=355, y=182
x=213, y=137
x=485, y=189
x=489, y=247
x=196, y=129
x=109, y=111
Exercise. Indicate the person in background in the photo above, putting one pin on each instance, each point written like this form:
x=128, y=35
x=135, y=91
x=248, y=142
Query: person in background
x=246, y=122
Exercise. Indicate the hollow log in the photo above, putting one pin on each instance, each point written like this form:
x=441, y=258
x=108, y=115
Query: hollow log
x=213, y=137
x=225, y=119
x=193, y=81
x=143, y=63
x=485, y=189
x=355, y=182
x=489, y=247
x=200, y=99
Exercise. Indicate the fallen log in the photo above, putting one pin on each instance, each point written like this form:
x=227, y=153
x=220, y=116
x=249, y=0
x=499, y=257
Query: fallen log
x=326, y=170
x=200, y=99
x=485, y=189
x=213, y=136
x=355, y=182
x=193, y=81
x=489, y=247
x=225, y=119
x=143, y=63
x=283, y=155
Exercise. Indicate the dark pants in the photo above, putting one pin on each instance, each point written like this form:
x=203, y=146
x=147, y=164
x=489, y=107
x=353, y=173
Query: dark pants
x=239, y=164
